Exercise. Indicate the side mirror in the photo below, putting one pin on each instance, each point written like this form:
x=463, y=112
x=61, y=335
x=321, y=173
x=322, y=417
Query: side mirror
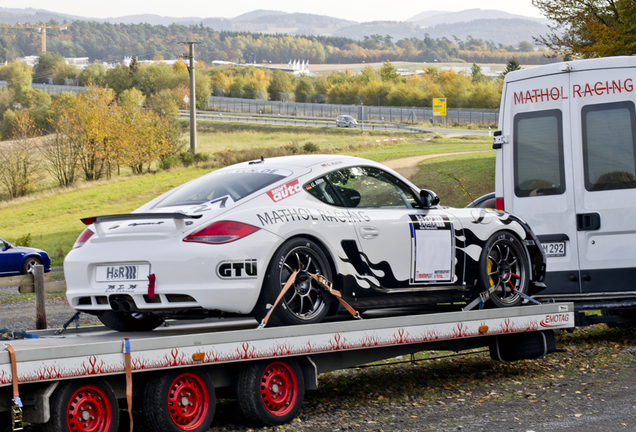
x=428, y=198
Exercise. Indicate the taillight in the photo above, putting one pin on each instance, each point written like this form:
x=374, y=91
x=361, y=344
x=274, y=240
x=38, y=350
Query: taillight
x=83, y=238
x=221, y=232
x=499, y=204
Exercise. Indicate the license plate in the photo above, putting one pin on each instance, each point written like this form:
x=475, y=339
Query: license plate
x=554, y=249
x=123, y=272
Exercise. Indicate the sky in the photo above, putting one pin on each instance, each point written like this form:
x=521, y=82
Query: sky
x=355, y=10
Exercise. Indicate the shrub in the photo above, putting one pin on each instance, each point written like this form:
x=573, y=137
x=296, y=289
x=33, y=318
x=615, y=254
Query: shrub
x=24, y=241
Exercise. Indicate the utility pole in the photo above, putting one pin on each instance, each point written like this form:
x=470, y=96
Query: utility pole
x=193, y=105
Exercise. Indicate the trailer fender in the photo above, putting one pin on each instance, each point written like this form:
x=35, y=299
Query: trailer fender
x=36, y=406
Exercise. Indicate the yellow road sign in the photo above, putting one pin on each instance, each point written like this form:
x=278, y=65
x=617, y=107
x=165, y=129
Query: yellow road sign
x=439, y=107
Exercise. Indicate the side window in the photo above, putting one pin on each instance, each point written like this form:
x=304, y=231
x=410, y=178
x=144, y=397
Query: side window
x=609, y=155
x=538, y=153
x=324, y=191
x=367, y=187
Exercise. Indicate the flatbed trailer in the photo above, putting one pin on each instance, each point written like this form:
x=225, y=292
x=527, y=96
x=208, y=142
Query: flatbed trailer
x=78, y=380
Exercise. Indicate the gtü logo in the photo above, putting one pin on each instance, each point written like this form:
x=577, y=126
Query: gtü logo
x=284, y=191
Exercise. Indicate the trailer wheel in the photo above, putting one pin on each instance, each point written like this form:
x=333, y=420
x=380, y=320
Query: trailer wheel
x=304, y=302
x=504, y=265
x=129, y=322
x=270, y=393
x=179, y=401
x=83, y=406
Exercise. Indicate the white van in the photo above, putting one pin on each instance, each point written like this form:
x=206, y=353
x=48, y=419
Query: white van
x=566, y=163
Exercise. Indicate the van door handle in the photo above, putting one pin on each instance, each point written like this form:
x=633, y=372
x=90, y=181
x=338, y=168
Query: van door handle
x=369, y=232
x=588, y=221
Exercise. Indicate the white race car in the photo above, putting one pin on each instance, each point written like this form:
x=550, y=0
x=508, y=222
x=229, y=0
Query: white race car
x=230, y=241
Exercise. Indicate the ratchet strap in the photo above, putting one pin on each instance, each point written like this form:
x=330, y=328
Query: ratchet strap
x=128, y=366
x=328, y=286
x=16, y=403
x=323, y=283
x=289, y=283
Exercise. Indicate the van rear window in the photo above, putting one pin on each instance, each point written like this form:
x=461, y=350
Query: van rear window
x=538, y=153
x=609, y=155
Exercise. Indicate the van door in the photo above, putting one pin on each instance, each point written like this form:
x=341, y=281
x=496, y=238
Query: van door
x=604, y=130
x=535, y=163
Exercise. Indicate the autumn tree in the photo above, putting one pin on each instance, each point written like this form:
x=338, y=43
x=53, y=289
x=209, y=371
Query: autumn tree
x=61, y=150
x=18, y=161
x=589, y=28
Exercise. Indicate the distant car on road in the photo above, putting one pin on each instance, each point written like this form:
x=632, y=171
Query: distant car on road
x=15, y=260
x=346, y=121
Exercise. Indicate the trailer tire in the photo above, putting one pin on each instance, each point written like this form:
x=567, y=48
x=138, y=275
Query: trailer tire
x=503, y=263
x=93, y=398
x=166, y=391
x=130, y=322
x=304, y=302
x=270, y=393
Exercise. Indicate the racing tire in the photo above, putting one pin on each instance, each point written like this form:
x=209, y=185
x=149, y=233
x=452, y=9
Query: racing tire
x=270, y=393
x=504, y=264
x=83, y=406
x=179, y=400
x=27, y=267
x=304, y=302
x=130, y=321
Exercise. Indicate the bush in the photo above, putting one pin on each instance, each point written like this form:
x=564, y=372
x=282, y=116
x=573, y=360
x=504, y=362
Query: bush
x=24, y=241
x=310, y=147
x=201, y=157
x=187, y=158
x=169, y=163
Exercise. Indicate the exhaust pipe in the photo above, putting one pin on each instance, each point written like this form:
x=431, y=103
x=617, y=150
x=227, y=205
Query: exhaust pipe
x=114, y=305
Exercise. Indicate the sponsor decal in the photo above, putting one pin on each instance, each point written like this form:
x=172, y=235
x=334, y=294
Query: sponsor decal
x=237, y=269
x=325, y=165
x=274, y=217
x=281, y=172
x=121, y=288
x=121, y=272
x=314, y=183
x=598, y=88
x=134, y=224
x=555, y=320
x=284, y=191
x=429, y=222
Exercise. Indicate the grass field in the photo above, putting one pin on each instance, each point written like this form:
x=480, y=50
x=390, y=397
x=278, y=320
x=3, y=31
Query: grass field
x=52, y=216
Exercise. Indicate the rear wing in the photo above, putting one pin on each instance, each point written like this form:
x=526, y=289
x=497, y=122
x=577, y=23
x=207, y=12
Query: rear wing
x=177, y=217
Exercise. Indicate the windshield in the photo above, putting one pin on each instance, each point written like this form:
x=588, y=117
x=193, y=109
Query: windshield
x=234, y=183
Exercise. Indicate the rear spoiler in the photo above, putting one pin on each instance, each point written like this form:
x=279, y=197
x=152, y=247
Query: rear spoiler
x=177, y=217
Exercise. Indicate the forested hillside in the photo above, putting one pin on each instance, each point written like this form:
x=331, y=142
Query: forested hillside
x=106, y=42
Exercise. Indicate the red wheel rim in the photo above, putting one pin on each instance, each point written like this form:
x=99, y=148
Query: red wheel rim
x=188, y=401
x=89, y=410
x=279, y=388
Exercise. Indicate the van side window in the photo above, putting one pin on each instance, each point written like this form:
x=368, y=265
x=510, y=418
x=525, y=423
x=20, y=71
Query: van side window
x=609, y=154
x=538, y=153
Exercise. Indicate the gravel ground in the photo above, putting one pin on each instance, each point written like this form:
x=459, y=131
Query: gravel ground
x=589, y=386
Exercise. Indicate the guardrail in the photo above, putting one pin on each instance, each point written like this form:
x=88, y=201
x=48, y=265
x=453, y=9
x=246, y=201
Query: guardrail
x=296, y=121
x=392, y=114
x=37, y=283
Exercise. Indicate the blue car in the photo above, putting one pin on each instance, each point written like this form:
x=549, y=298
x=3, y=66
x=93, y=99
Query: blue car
x=15, y=260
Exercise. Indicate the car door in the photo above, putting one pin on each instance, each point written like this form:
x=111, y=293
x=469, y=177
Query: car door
x=9, y=259
x=402, y=244
x=603, y=118
x=536, y=171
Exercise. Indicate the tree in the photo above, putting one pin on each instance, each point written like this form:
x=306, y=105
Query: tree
x=476, y=73
x=589, y=28
x=47, y=64
x=18, y=76
x=388, y=72
x=18, y=163
x=513, y=65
